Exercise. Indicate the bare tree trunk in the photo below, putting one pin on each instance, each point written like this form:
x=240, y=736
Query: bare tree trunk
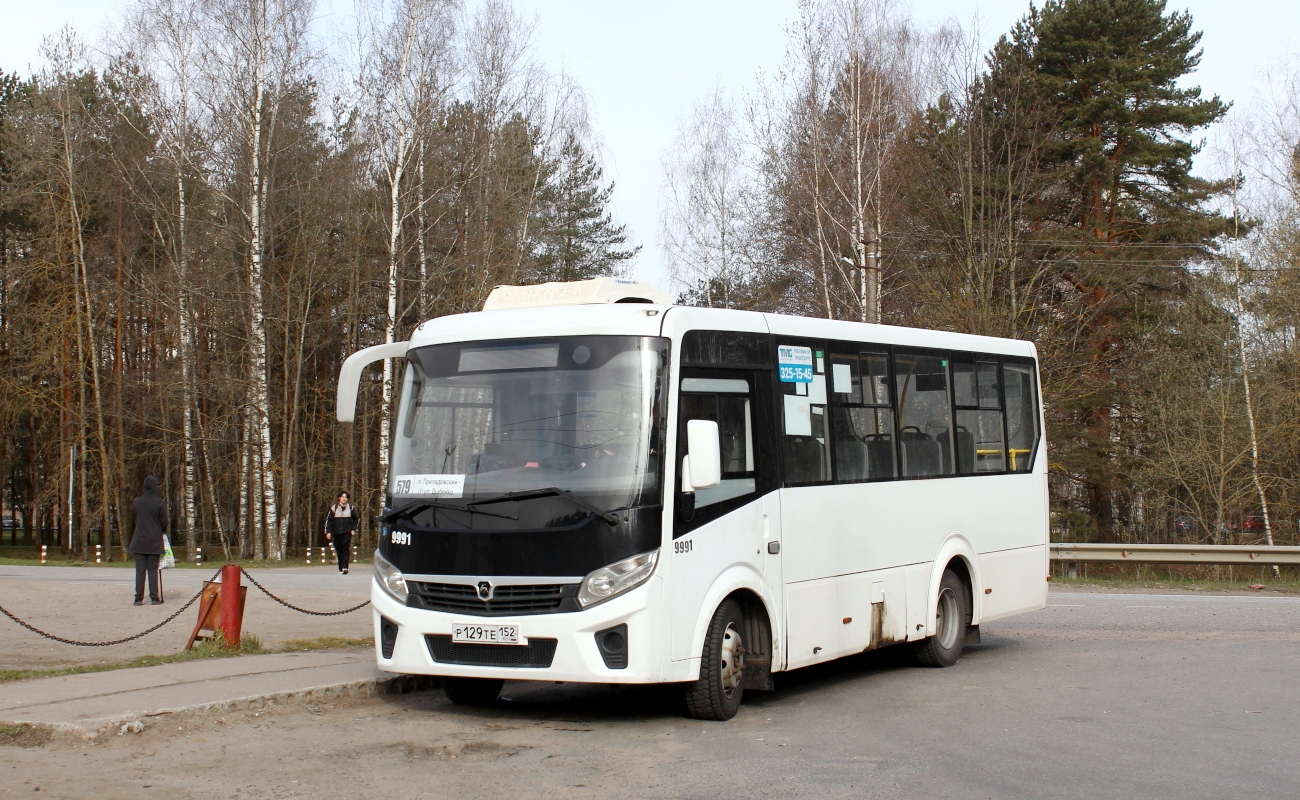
x=1245, y=382
x=212, y=490
x=291, y=423
x=186, y=348
x=245, y=511
x=390, y=328
x=422, y=223
x=90, y=355
x=259, y=400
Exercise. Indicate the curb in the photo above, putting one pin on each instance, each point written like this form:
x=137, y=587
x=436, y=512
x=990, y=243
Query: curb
x=136, y=722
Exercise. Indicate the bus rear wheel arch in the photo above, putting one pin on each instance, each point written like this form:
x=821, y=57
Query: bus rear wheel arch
x=952, y=618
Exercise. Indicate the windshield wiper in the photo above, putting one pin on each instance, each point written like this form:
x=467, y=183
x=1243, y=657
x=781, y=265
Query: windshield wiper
x=551, y=491
x=409, y=511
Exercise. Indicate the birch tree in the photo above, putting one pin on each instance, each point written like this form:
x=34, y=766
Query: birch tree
x=407, y=69
x=702, y=231
x=254, y=60
x=166, y=32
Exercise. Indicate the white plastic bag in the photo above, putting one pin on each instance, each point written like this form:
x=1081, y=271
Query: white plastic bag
x=168, y=560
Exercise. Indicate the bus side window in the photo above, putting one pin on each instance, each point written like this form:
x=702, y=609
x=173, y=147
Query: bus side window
x=805, y=427
x=1022, y=415
x=978, y=404
x=923, y=415
x=864, y=420
x=725, y=401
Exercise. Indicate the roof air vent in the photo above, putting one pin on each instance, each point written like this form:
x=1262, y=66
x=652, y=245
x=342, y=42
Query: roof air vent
x=594, y=291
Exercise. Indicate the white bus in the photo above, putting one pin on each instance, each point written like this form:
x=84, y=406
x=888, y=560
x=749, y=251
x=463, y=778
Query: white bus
x=589, y=484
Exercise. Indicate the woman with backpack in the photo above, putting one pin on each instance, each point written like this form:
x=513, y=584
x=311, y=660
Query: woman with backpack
x=340, y=523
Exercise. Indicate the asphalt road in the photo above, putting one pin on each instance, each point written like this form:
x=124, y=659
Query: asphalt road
x=1097, y=696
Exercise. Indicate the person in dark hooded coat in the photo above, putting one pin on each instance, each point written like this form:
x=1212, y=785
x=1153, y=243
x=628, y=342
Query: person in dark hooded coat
x=147, y=541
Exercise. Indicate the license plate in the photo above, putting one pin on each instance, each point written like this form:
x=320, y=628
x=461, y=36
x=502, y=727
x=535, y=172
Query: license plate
x=485, y=634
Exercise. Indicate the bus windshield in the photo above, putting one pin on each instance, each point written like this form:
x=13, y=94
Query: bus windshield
x=481, y=419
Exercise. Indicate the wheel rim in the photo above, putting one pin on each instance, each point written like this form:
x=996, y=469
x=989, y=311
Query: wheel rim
x=733, y=660
x=947, y=618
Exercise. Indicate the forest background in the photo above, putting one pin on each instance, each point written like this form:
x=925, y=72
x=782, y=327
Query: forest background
x=202, y=214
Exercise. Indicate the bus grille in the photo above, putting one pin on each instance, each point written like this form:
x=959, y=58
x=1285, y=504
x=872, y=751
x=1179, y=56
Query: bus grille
x=459, y=598
x=537, y=653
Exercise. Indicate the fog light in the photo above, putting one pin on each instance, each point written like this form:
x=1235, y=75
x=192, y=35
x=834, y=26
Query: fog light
x=612, y=644
x=387, y=636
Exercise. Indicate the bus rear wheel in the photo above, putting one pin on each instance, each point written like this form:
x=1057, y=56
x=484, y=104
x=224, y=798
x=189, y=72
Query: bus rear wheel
x=951, y=617
x=717, y=693
x=472, y=691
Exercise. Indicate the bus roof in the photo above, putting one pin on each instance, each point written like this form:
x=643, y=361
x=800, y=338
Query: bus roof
x=641, y=319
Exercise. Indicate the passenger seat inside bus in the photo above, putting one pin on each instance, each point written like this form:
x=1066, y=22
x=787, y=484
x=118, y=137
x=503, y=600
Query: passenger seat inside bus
x=803, y=459
x=922, y=456
x=880, y=455
x=869, y=458
x=851, y=459
x=965, y=451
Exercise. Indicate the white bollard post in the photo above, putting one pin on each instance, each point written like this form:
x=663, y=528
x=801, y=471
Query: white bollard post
x=354, y=553
x=309, y=555
x=98, y=553
x=44, y=547
x=198, y=555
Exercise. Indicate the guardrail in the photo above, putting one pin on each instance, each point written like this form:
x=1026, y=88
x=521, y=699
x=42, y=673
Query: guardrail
x=1262, y=555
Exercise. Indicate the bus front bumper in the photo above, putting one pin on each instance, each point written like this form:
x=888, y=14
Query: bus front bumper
x=577, y=657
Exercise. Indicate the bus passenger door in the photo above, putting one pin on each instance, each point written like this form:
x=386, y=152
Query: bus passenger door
x=731, y=524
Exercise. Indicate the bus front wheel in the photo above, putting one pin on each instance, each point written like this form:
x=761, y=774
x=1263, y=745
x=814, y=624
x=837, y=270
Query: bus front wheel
x=717, y=693
x=471, y=691
x=951, y=617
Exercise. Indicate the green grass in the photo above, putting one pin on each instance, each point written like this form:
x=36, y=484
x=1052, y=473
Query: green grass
x=249, y=644
x=23, y=735
x=322, y=643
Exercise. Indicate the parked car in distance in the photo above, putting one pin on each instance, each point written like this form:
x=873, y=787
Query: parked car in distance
x=1184, y=525
x=1253, y=524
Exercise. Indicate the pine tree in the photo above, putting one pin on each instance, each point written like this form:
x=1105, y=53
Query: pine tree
x=578, y=238
x=1114, y=199
x=1107, y=71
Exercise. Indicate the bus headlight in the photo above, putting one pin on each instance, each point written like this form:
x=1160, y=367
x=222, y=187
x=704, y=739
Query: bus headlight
x=390, y=579
x=617, y=578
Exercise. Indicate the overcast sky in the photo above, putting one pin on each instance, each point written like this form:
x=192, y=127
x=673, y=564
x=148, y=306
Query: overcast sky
x=644, y=64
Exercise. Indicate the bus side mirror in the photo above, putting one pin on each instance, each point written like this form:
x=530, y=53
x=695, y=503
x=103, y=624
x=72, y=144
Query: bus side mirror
x=702, y=467
x=350, y=375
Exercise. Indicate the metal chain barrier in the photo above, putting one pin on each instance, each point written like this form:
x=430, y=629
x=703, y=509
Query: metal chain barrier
x=47, y=635
x=287, y=604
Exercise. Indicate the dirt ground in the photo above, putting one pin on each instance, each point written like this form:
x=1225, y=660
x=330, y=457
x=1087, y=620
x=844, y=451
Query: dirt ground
x=95, y=604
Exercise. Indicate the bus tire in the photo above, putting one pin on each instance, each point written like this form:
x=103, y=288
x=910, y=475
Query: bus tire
x=717, y=693
x=951, y=617
x=472, y=691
